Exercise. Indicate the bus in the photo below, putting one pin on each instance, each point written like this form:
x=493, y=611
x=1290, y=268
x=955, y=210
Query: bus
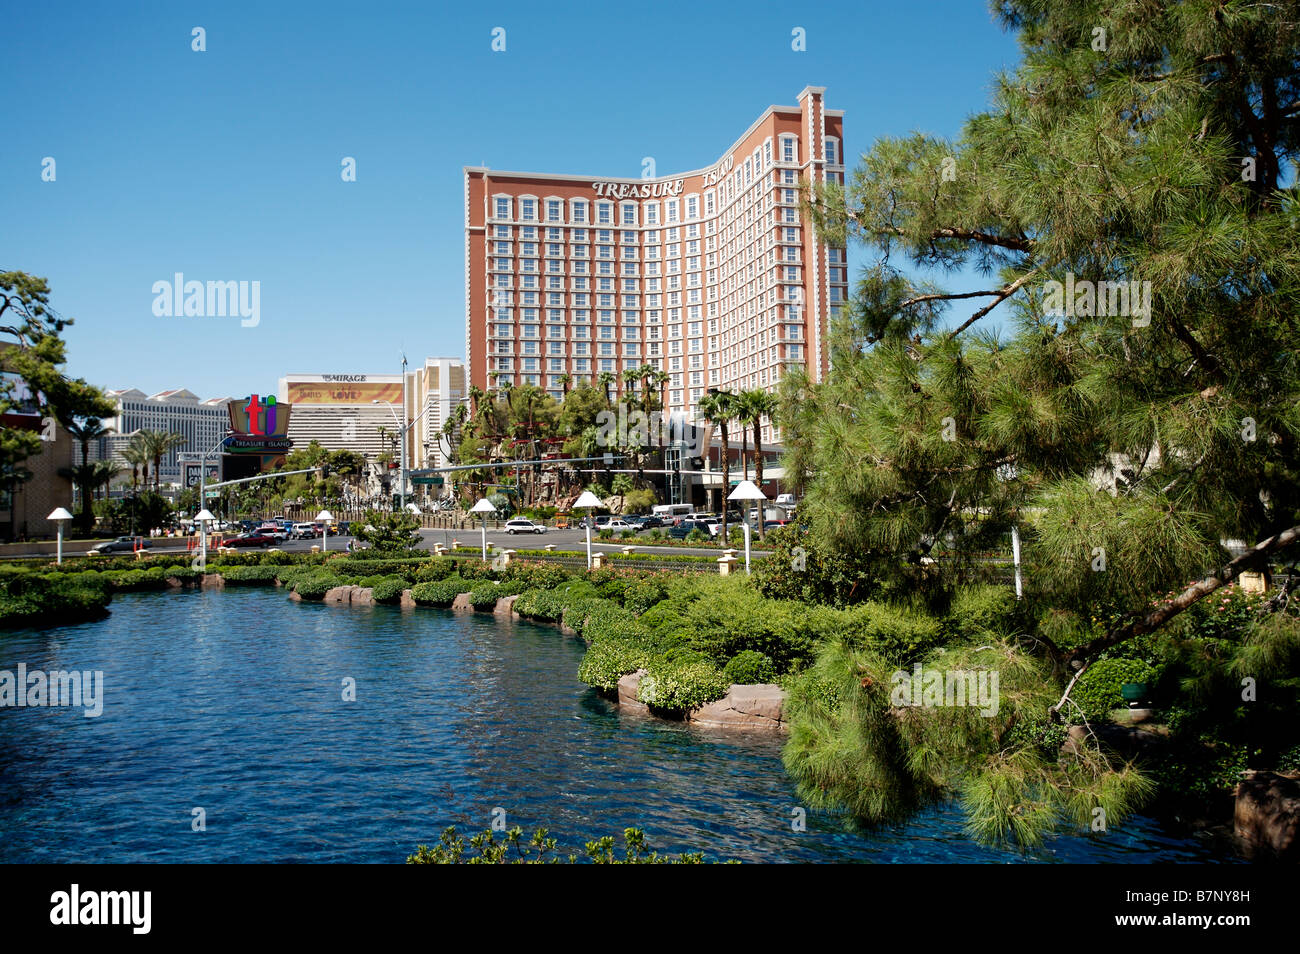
x=671, y=513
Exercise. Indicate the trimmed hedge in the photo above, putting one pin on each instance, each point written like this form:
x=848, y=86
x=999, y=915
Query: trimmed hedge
x=314, y=586
x=681, y=685
x=438, y=592
x=250, y=575
x=748, y=668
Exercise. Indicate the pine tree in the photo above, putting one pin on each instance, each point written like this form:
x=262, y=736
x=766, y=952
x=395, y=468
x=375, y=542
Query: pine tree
x=1128, y=188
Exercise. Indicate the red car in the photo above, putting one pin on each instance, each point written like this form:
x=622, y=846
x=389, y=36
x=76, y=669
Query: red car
x=254, y=539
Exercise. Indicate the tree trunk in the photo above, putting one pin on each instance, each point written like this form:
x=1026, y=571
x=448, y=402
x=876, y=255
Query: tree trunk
x=726, y=479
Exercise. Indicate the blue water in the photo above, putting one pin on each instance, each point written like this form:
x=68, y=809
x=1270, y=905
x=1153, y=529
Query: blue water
x=231, y=702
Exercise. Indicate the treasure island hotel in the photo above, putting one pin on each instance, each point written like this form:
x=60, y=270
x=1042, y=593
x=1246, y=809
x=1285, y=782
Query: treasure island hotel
x=712, y=276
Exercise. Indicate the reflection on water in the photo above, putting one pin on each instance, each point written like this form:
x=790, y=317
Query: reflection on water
x=232, y=702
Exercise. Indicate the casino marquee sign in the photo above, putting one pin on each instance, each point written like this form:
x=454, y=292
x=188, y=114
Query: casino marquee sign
x=260, y=426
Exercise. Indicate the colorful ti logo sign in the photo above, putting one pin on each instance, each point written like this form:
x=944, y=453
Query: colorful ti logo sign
x=260, y=416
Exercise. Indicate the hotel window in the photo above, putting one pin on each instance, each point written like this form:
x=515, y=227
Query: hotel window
x=631, y=350
x=528, y=232
x=607, y=348
x=579, y=217
x=529, y=209
x=767, y=153
x=552, y=210
x=789, y=149
x=503, y=208
x=833, y=151
x=605, y=213
x=503, y=231
x=692, y=207
x=670, y=208
x=708, y=203
x=652, y=213
x=555, y=347
x=580, y=364
x=530, y=364
x=629, y=213
x=530, y=347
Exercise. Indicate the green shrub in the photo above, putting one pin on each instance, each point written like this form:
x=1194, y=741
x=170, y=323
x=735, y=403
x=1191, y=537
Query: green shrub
x=30, y=599
x=606, y=662
x=980, y=611
x=536, y=575
x=540, y=604
x=1098, y=689
x=314, y=585
x=438, y=592
x=389, y=589
x=696, y=536
x=439, y=568
x=894, y=632
x=484, y=596
x=678, y=686
x=749, y=668
x=249, y=575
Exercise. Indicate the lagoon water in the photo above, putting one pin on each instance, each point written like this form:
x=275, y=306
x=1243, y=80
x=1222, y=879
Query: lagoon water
x=231, y=702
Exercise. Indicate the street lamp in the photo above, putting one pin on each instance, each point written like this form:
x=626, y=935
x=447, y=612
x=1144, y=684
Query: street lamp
x=59, y=515
x=326, y=518
x=745, y=490
x=484, y=506
x=589, y=502
x=203, y=516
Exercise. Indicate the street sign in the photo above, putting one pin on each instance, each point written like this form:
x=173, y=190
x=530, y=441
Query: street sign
x=427, y=481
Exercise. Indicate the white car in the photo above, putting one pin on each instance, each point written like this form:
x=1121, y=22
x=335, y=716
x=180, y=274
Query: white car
x=522, y=525
x=618, y=525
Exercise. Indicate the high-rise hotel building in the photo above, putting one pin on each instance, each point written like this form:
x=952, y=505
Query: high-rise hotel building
x=714, y=276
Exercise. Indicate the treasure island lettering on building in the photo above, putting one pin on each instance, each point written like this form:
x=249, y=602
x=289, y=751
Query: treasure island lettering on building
x=714, y=277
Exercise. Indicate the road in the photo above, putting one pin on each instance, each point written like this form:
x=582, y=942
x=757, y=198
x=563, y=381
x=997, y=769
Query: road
x=563, y=540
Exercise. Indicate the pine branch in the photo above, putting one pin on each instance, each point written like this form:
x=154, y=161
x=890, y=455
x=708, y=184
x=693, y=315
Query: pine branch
x=1188, y=597
x=1003, y=294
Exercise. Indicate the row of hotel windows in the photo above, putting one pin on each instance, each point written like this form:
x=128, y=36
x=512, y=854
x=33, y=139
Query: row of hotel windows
x=745, y=175
x=788, y=352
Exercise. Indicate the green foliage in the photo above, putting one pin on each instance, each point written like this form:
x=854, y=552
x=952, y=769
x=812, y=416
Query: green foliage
x=439, y=592
x=609, y=660
x=250, y=575
x=389, y=589
x=980, y=612
x=1098, y=690
x=484, y=596
x=681, y=685
x=541, y=849
x=30, y=599
x=388, y=532
x=749, y=667
x=315, y=584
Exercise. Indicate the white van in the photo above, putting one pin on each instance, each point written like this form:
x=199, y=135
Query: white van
x=671, y=513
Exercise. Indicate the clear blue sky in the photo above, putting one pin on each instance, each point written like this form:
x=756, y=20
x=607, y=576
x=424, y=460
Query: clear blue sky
x=224, y=165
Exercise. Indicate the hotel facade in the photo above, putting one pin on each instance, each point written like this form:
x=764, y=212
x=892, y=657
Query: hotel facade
x=712, y=276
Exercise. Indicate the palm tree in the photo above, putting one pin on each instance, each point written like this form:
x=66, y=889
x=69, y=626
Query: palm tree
x=606, y=379
x=91, y=429
x=631, y=377
x=159, y=444
x=565, y=380
x=719, y=408
x=134, y=454
x=754, y=406
x=106, y=471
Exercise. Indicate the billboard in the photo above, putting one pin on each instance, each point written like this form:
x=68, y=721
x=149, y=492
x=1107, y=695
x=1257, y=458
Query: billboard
x=193, y=470
x=343, y=392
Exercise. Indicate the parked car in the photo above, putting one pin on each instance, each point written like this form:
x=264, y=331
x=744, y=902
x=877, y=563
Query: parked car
x=602, y=520
x=273, y=530
x=523, y=525
x=618, y=525
x=120, y=544
x=305, y=531
x=773, y=524
x=645, y=521
x=255, y=539
x=682, y=529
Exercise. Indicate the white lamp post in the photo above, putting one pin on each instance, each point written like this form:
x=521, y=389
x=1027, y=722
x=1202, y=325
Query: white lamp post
x=1015, y=557
x=745, y=491
x=203, y=516
x=589, y=502
x=326, y=518
x=59, y=515
x=484, y=506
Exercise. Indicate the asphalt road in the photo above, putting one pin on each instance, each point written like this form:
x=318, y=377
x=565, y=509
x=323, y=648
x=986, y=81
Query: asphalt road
x=563, y=540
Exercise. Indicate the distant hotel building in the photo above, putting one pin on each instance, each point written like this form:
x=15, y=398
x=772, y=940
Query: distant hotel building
x=178, y=411
x=712, y=276
x=361, y=412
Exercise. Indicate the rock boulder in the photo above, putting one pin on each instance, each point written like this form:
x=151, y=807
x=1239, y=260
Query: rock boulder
x=745, y=707
x=1267, y=816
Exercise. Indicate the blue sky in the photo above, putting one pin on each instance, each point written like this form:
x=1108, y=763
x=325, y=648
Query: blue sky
x=225, y=165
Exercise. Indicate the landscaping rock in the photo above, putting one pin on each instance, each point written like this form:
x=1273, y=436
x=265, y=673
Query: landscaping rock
x=462, y=604
x=506, y=606
x=363, y=596
x=212, y=579
x=408, y=601
x=338, y=595
x=627, y=687
x=1266, y=820
x=295, y=596
x=743, y=707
